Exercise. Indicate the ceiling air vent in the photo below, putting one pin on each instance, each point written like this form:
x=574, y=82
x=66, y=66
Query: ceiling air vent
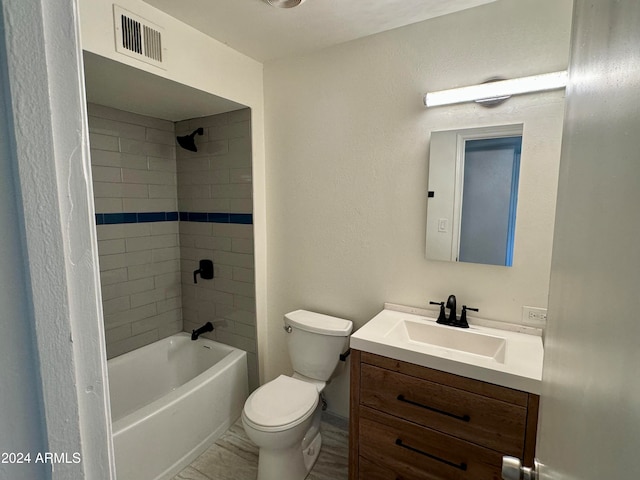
x=137, y=37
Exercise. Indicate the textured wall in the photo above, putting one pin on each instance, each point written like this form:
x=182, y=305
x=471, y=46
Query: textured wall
x=348, y=149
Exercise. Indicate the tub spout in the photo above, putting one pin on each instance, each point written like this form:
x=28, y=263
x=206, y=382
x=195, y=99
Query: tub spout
x=207, y=327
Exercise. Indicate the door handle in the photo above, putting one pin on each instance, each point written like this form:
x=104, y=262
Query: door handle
x=512, y=469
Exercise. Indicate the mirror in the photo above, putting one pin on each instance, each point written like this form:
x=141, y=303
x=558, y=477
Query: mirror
x=473, y=194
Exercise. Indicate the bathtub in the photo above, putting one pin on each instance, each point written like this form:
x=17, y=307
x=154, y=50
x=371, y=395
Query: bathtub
x=170, y=401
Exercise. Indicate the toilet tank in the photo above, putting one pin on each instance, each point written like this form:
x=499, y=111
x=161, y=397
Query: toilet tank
x=315, y=342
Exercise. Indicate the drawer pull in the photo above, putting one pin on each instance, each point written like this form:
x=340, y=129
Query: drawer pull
x=459, y=466
x=464, y=418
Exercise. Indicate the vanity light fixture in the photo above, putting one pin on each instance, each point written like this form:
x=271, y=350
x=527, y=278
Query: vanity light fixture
x=284, y=3
x=497, y=90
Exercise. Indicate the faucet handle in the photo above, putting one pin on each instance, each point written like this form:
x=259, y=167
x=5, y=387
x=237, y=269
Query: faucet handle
x=462, y=323
x=442, y=318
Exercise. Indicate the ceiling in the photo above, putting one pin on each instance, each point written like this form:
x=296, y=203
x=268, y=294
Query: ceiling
x=266, y=33
x=120, y=86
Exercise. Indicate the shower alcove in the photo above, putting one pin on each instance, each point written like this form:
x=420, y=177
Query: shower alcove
x=160, y=209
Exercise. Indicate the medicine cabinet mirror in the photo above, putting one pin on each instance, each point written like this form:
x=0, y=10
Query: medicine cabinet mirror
x=473, y=194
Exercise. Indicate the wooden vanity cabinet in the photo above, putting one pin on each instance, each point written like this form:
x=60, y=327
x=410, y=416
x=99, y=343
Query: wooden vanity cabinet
x=409, y=422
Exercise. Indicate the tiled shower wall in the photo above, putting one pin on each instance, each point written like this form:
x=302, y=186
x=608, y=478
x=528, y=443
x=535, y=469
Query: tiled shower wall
x=160, y=209
x=135, y=188
x=214, y=195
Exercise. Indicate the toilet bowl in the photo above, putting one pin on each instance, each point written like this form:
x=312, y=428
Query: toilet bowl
x=282, y=417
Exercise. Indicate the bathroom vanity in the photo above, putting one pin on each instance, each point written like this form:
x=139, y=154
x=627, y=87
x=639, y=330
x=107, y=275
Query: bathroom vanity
x=434, y=411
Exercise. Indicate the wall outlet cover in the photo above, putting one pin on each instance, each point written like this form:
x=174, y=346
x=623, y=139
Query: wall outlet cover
x=534, y=316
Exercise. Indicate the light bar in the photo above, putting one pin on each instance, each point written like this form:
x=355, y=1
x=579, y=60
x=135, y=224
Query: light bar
x=495, y=90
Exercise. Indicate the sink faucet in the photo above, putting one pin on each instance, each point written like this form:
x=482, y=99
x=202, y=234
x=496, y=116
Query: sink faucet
x=451, y=305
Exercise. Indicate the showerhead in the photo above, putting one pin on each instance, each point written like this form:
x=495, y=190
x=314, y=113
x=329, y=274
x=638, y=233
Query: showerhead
x=284, y=3
x=187, y=141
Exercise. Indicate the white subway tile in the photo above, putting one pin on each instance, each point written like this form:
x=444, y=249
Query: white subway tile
x=118, y=348
x=199, y=164
x=105, y=174
x=117, y=333
x=106, y=158
x=148, y=177
x=109, y=277
x=213, y=243
x=193, y=191
x=137, y=258
x=233, y=259
x=242, y=245
x=136, y=230
x=163, y=228
x=174, y=303
x=109, y=232
x=116, y=305
x=195, y=228
x=144, y=298
x=138, y=244
x=236, y=190
x=162, y=164
x=165, y=137
x=126, y=288
x=150, y=205
x=167, y=280
x=240, y=175
x=98, y=141
x=240, y=205
x=108, y=205
x=244, y=303
x=243, y=274
x=137, y=162
x=234, y=230
x=116, y=128
x=129, y=316
x=163, y=191
x=150, y=270
x=163, y=254
x=231, y=286
x=110, y=262
x=110, y=247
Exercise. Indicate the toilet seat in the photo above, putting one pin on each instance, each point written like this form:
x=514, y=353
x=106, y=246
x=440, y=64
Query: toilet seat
x=281, y=404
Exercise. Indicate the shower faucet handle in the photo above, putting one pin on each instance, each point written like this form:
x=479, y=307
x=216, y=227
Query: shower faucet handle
x=205, y=271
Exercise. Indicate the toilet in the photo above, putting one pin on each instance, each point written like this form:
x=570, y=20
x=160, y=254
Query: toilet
x=282, y=417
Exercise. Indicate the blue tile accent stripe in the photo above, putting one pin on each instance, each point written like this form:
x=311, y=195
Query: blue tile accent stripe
x=144, y=217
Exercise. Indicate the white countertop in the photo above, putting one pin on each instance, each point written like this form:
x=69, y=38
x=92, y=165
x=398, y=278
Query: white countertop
x=520, y=370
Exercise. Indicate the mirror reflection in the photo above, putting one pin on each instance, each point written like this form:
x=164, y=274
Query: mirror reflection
x=473, y=194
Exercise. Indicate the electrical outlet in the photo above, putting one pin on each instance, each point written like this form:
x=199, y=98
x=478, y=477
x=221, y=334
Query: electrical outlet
x=534, y=316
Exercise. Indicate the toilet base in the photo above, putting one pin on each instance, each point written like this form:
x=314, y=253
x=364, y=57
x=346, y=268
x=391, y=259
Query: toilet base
x=290, y=463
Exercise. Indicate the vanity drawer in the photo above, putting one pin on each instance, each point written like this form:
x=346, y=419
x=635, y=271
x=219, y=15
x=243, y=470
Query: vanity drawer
x=413, y=452
x=486, y=421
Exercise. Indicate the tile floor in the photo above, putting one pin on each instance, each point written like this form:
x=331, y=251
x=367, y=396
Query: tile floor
x=234, y=457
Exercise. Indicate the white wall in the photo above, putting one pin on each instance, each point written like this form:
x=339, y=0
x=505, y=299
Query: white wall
x=198, y=61
x=347, y=149
x=45, y=119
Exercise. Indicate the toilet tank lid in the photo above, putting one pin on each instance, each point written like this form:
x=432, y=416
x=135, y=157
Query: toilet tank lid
x=319, y=323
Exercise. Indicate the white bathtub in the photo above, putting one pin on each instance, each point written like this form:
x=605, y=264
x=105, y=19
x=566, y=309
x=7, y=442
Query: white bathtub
x=170, y=401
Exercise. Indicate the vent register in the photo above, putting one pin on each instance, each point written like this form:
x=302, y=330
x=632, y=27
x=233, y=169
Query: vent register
x=137, y=37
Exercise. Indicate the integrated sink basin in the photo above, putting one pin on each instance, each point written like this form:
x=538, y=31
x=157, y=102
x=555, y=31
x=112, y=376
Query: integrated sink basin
x=503, y=354
x=467, y=341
